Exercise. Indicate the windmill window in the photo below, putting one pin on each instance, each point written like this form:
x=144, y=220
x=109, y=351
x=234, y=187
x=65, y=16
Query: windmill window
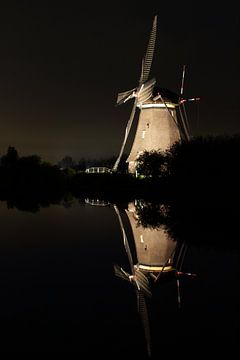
x=143, y=134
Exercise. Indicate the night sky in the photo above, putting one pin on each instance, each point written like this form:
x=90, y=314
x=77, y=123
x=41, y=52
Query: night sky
x=62, y=66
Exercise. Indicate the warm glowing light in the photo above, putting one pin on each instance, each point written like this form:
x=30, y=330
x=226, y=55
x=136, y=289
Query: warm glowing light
x=147, y=106
x=156, y=268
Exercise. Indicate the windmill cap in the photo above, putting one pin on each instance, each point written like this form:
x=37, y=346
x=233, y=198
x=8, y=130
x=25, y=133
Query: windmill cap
x=166, y=94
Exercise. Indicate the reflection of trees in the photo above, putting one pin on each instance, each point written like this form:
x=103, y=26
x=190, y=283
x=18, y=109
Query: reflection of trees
x=152, y=163
x=151, y=214
x=190, y=221
x=201, y=158
x=28, y=202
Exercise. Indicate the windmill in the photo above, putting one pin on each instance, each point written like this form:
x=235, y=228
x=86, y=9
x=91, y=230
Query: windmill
x=158, y=258
x=158, y=126
x=142, y=92
x=149, y=263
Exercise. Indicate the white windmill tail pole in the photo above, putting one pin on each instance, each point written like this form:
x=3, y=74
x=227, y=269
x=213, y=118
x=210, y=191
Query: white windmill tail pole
x=183, y=78
x=181, y=102
x=179, y=265
x=178, y=294
x=184, y=122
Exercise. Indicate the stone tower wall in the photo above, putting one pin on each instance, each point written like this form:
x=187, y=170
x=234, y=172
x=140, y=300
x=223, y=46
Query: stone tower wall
x=156, y=130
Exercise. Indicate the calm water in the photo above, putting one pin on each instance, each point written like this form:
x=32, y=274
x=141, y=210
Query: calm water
x=60, y=294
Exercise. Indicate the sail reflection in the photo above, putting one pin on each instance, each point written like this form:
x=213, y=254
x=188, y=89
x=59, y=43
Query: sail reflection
x=153, y=255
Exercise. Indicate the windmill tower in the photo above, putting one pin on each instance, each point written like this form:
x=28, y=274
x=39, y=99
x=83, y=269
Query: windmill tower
x=158, y=127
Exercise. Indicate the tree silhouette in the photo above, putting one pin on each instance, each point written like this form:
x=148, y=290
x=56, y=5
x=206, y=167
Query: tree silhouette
x=152, y=163
x=10, y=158
x=66, y=162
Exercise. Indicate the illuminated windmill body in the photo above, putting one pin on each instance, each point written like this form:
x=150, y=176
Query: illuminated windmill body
x=158, y=127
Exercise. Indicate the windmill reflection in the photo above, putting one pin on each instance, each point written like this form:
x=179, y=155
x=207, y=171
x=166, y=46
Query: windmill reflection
x=97, y=202
x=153, y=256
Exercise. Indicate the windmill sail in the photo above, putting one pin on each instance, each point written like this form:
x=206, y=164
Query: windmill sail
x=140, y=283
x=145, y=91
x=125, y=240
x=120, y=272
x=143, y=311
x=144, y=94
x=127, y=130
x=147, y=61
x=140, y=93
x=125, y=96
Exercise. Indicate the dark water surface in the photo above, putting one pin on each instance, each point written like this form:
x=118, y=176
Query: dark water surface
x=59, y=292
